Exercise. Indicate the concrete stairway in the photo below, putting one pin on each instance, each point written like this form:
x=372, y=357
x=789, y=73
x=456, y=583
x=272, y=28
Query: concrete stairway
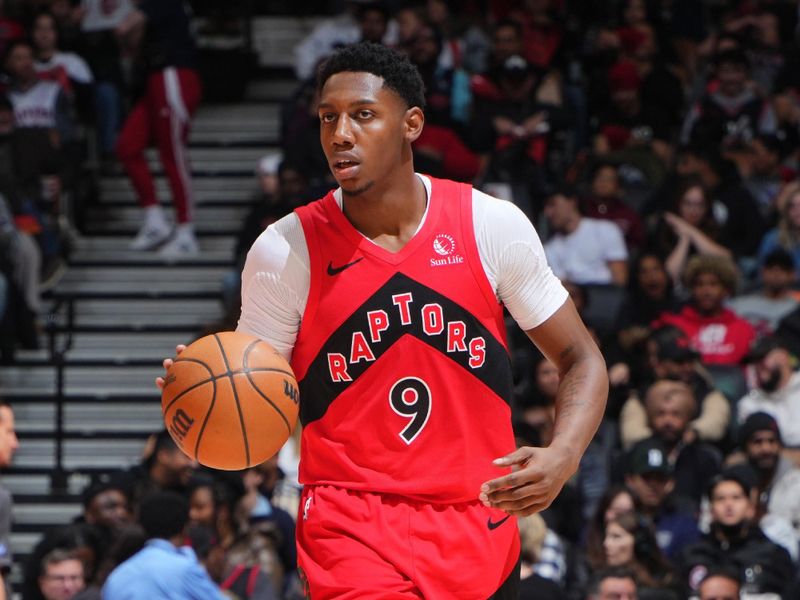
x=130, y=309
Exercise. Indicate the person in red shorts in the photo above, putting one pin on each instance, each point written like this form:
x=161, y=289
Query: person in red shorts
x=163, y=114
x=387, y=295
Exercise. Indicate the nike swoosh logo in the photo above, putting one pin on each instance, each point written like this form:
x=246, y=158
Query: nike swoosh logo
x=336, y=270
x=495, y=524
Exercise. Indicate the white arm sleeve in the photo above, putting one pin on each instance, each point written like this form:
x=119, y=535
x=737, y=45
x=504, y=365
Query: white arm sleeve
x=275, y=283
x=514, y=261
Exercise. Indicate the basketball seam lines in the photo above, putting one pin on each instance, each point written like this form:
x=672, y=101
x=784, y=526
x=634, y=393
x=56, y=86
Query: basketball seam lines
x=236, y=397
x=195, y=386
x=215, y=377
x=262, y=394
x=205, y=420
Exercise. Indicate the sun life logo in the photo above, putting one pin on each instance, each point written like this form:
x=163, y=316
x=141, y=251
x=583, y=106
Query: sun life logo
x=444, y=244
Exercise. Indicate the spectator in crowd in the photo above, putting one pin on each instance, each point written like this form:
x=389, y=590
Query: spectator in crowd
x=670, y=356
x=735, y=541
x=542, y=34
x=533, y=586
x=37, y=104
x=514, y=118
x=630, y=131
x=777, y=389
x=164, y=468
x=786, y=235
x=163, y=115
x=213, y=503
x=630, y=543
x=763, y=173
x=765, y=307
x=340, y=30
x=448, y=97
x=688, y=229
x=67, y=69
x=651, y=480
x=650, y=293
x=720, y=335
x=616, y=501
x=736, y=212
x=106, y=504
x=101, y=49
x=583, y=250
x=8, y=447
x=164, y=568
x=670, y=406
x=732, y=112
x=128, y=542
x=615, y=583
x=605, y=202
x=62, y=575
x=719, y=584
x=778, y=479
x=10, y=29
x=80, y=539
x=31, y=182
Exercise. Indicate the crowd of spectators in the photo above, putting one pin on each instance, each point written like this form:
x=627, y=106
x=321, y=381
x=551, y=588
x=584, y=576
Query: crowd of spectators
x=654, y=143
x=62, y=94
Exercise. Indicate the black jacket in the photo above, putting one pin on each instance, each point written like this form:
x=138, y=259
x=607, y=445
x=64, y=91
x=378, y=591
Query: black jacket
x=763, y=566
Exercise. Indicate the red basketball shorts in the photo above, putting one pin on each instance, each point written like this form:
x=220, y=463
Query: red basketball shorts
x=365, y=546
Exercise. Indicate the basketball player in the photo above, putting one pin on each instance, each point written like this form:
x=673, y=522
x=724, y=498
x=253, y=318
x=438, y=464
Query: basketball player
x=388, y=295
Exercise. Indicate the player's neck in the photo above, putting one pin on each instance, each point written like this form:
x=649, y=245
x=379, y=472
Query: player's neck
x=390, y=212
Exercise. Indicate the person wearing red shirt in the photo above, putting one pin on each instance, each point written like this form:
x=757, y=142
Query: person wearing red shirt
x=720, y=335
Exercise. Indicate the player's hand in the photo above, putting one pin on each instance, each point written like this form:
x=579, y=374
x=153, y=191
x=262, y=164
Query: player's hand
x=168, y=363
x=539, y=474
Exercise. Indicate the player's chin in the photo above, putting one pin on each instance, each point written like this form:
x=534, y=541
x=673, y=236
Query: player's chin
x=355, y=188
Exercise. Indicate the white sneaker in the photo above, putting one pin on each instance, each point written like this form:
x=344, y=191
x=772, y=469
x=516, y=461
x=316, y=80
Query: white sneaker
x=151, y=236
x=182, y=245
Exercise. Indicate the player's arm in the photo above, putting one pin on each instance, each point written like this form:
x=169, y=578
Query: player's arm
x=540, y=473
x=514, y=260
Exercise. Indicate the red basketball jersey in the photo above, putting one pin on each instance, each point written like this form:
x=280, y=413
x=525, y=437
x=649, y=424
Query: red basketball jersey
x=401, y=358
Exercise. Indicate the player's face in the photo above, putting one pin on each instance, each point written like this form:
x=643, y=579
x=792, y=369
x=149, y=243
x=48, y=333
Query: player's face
x=8, y=436
x=365, y=130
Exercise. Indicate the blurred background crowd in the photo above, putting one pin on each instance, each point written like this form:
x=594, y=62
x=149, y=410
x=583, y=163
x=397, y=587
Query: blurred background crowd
x=656, y=146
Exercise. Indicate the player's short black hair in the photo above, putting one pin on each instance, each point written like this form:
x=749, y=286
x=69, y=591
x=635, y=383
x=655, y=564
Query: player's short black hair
x=164, y=515
x=397, y=72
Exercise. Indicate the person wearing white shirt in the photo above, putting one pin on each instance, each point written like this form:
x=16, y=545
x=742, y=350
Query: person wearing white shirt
x=583, y=250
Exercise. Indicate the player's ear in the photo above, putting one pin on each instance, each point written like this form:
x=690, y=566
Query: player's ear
x=414, y=122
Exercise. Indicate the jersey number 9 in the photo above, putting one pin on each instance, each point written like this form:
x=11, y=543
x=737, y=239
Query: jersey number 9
x=411, y=397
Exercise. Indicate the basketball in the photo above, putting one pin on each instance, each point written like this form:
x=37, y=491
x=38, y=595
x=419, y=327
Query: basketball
x=230, y=401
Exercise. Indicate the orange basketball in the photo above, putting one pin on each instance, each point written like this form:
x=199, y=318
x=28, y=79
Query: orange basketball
x=230, y=401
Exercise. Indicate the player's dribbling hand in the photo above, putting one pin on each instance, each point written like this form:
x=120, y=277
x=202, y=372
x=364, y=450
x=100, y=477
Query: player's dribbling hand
x=168, y=363
x=539, y=474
